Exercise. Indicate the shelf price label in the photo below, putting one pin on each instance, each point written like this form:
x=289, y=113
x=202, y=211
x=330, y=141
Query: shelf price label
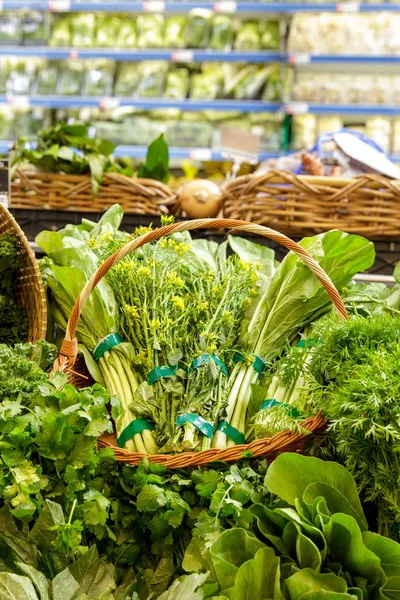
x=153, y=6
x=296, y=108
x=300, y=58
x=109, y=103
x=18, y=101
x=74, y=54
x=59, y=5
x=184, y=56
x=200, y=154
x=225, y=6
x=348, y=7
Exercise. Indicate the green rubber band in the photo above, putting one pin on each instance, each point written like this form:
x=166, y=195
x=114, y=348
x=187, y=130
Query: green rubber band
x=206, y=427
x=134, y=427
x=231, y=432
x=309, y=342
x=203, y=359
x=108, y=342
x=291, y=410
x=258, y=364
x=159, y=373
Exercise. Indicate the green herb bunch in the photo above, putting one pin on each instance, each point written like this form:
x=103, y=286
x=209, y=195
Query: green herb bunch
x=13, y=318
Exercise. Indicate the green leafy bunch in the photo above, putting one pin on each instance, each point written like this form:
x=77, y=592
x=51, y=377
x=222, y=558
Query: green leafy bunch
x=13, y=318
x=311, y=544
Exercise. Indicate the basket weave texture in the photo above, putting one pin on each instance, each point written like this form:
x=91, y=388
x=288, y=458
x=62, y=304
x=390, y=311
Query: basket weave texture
x=269, y=447
x=37, y=190
x=30, y=286
x=305, y=205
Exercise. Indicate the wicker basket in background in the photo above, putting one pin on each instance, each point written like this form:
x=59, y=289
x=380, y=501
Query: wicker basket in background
x=37, y=190
x=270, y=447
x=30, y=286
x=297, y=205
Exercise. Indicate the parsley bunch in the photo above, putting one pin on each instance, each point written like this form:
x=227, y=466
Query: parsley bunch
x=13, y=318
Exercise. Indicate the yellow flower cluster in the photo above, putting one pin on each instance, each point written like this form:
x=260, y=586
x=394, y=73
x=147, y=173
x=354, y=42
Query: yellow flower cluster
x=179, y=302
x=179, y=247
x=145, y=271
x=107, y=237
x=203, y=305
x=245, y=265
x=131, y=310
x=174, y=279
x=155, y=324
x=209, y=277
x=167, y=219
x=141, y=231
x=227, y=317
x=92, y=243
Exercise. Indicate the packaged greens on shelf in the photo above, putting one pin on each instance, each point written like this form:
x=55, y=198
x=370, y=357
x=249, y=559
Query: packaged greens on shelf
x=6, y=123
x=10, y=28
x=27, y=122
x=248, y=36
x=270, y=35
x=197, y=29
x=46, y=79
x=177, y=84
x=61, y=32
x=193, y=129
x=21, y=75
x=174, y=32
x=99, y=78
x=4, y=73
x=275, y=88
x=205, y=86
x=71, y=78
x=126, y=79
x=222, y=34
x=150, y=31
x=116, y=32
x=83, y=26
x=34, y=28
x=152, y=76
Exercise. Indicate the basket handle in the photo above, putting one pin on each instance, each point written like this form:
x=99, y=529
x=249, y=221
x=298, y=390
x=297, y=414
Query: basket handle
x=69, y=347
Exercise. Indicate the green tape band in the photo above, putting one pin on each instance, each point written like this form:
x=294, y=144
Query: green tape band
x=231, y=432
x=134, y=427
x=203, y=359
x=159, y=373
x=206, y=427
x=309, y=342
x=258, y=364
x=291, y=410
x=108, y=342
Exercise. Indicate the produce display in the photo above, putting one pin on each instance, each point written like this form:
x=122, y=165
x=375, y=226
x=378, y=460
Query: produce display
x=13, y=318
x=240, y=335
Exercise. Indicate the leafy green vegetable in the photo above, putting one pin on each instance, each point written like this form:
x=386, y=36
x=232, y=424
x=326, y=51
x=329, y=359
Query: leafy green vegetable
x=13, y=318
x=156, y=164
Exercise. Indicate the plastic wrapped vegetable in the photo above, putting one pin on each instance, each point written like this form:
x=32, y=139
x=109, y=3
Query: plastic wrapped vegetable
x=270, y=36
x=204, y=86
x=47, y=79
x=177, y=84
x=184, y=132
x=150, y=31
x=197, y=29
x=61, y=32
x=222, y=34
x=248, y=37
x=34, y=28
x=10, y=28
x=126, y=80
x=4, y=72
x=99, y=78
x=273, y=89
x=173, y=33
x=20, y=78
x=107, y=30
x=71, y=78
x=6, y=123
x=126, y=35
x=152, y=76
x=83, y=30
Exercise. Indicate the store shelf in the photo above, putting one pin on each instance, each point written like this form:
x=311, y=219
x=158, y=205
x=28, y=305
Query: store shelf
x=222, y=6
x=305, y=59
x=297, y=108
x=245, y=106
x=138, y=55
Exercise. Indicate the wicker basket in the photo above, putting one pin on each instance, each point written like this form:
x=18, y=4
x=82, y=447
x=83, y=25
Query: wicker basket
x=35, y=190
x=305, y=205
x=283, y=441
x=30, y=286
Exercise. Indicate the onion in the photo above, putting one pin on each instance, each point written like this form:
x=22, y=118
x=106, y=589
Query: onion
x=200, y=198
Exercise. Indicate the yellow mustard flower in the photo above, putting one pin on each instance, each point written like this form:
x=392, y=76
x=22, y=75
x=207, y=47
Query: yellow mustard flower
x=167, y=219
x=144, y=271
x=179, y=302
x=92, y=243
x=155, y=324
x=131, y=310
x=174, y=279
x=245, y=265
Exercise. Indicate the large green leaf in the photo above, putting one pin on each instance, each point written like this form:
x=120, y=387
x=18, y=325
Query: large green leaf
x=324, y=595
x=16, y=587
x=64, y=586
x=307, y=580
x=232, y=548
x=93, y=575
x=307, y=553
x=15, y=540
x=41, y=533
x=258, y=578
x=157, y=160
x=110, y=220
x=185, y=588
x=290, y=474
x=346, y=546
x=38, y=579
x=271, y=526
x=335, y=500
x=254, y=253
x=295, y=296
x=389, y=553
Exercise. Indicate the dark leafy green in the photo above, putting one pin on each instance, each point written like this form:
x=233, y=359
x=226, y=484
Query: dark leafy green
x=13, y=317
